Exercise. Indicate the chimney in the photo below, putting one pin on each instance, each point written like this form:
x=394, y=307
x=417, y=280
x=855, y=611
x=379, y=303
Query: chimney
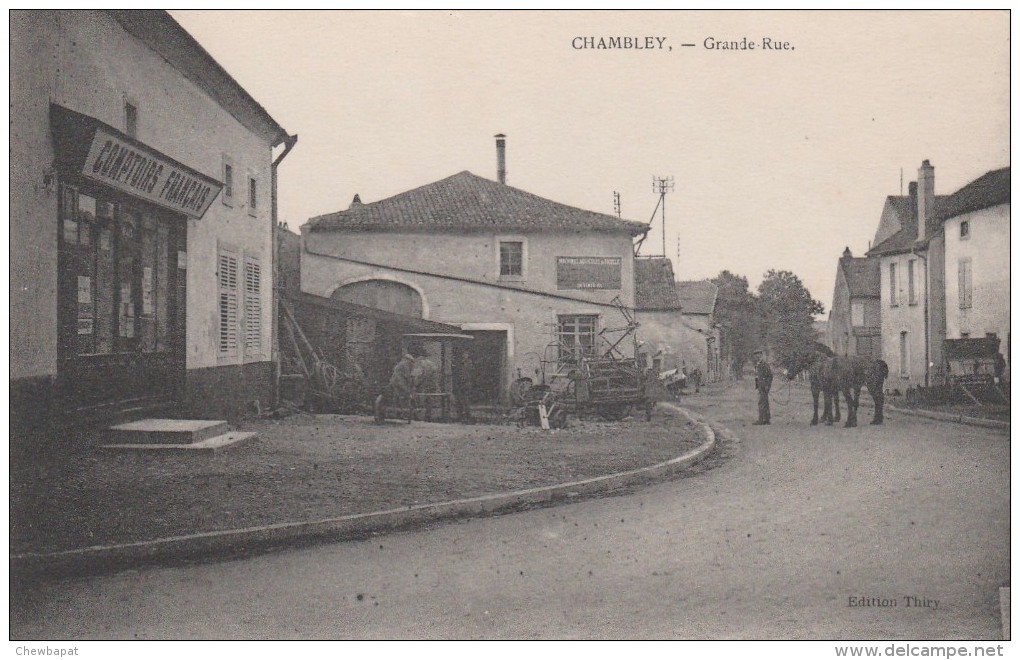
x=847, y=253
x=925, y=198
x=356, y=202
x=501, y=158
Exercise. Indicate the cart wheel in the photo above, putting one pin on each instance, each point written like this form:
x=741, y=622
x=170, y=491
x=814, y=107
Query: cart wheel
x=614, y=413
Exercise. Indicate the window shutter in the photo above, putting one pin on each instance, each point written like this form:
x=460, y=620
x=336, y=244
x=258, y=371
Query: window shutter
x=228, y=293
x=252, y=306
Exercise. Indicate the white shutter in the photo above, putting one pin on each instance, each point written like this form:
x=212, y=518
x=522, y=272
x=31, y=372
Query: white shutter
x=228, y=302
x=252, y=306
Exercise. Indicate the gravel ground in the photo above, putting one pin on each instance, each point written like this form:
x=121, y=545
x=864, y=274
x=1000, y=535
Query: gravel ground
x=311, y=467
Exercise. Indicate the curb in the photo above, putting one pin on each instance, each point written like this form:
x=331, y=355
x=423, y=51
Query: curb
x=110, y=558
x=944, y=417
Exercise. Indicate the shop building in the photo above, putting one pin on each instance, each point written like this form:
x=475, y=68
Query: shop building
x=534, y=281
x=142, y=214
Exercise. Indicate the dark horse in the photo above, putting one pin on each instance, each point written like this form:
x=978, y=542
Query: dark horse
x=832, y=374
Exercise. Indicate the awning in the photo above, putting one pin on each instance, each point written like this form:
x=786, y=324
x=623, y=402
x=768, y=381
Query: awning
x=96, y=151
x=407, y=324
x=972, y=348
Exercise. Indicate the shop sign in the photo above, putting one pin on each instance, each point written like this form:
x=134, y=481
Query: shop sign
x=145, y=173
x=589, y=273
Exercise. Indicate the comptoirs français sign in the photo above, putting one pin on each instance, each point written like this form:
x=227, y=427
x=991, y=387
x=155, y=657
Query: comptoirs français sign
x=588, y=273
x=147, y=174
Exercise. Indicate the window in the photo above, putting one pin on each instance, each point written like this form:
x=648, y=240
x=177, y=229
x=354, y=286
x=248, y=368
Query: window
x=965, y=229
x=229, y=295
x=511, y=259
x=228, y=180
x=966, y=284
x=130, y=119
x=893, y=301
x=911, y=290
x=857, y=313
x=253, y=197
x=577, y=334
x=904, y=356
x=252, y=306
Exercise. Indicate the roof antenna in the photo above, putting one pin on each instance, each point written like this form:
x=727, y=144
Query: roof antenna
x=901, y=182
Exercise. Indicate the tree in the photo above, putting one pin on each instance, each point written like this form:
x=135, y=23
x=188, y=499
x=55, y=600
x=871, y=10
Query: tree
x=736, y=313
x=787, y=313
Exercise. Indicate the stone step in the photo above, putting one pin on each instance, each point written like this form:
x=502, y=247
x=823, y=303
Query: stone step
x=208, y=446
x=166, y=431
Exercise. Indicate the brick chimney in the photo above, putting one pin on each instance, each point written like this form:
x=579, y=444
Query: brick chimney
x=501, y=158
x=925, y=198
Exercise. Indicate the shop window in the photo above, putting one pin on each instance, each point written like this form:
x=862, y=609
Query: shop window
x=576, y=335
x=511, y=259
x=228, y=180
x=252, y=307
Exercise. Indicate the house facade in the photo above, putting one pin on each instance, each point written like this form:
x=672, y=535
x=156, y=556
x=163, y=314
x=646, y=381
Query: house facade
x=976, y=229
x=534, y=281
x=909, y=248
x=142, y=194
x=701, y=336
x=657, y=309
x=855, y=317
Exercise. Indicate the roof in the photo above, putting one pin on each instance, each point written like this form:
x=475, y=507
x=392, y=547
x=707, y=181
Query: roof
x=990, y=189
x=654, y=286
x=905, y=239
x=466, y=201
x=697, y=297
x=159, y=30
x=407, y=324
x=863, y=276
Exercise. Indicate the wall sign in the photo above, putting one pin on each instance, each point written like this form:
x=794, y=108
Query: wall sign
x=145, y=173
x=589, y=273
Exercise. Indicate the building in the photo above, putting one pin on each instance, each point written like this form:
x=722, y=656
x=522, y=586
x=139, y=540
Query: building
x=855, y=317
x=975, y=222
x=534, y=281
x=701, y=335
x=142, y=213
x=657, y=309
x=909, y=248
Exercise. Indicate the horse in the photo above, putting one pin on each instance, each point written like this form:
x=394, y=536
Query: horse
x=412, y=375
x=832, y=374
x=851, y=373
x=817, y=362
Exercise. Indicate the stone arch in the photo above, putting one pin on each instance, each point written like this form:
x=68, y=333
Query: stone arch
x=384, y=292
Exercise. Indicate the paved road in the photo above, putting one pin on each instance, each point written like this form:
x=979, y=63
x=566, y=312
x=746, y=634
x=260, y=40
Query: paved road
x=772, y=542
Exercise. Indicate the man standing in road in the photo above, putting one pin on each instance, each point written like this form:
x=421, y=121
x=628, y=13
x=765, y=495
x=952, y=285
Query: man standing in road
x=762, y=383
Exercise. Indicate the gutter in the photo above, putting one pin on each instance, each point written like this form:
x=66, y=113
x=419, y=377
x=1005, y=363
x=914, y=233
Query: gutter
x=288, y=141
x=927, y=290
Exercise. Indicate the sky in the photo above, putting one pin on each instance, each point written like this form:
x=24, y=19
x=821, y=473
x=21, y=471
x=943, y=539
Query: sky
x=779, y=158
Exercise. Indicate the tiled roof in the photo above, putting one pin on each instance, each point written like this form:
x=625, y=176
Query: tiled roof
x=990, y=189
x=863, y=276
x=697, y=297
x=906, y=237
x=467, y=201
x=654, y=286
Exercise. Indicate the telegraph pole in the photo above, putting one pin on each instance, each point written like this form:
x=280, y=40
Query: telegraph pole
x=662, y=185
x=616, y=204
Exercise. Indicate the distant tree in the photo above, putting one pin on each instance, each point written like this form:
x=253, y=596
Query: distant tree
x=736, y=311
x=786, y=313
